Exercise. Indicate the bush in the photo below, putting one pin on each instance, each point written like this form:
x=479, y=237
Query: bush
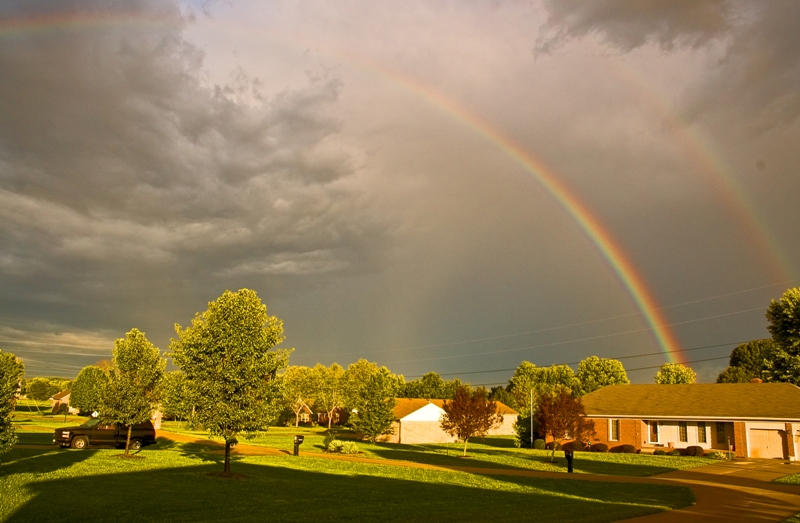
x=599, y=447
x=695, y=450
x=349, y=447
x=624, y=449
x=675, y=452
x=720, y=454
x=329, y=438
x=539, y=444
x=334, y=446
x=659, y=452
x=574, y=445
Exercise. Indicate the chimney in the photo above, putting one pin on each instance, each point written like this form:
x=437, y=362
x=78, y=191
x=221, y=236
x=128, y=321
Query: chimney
x=755, y=380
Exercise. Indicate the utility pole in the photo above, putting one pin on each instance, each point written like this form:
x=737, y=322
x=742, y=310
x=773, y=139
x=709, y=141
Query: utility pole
x=531, y=419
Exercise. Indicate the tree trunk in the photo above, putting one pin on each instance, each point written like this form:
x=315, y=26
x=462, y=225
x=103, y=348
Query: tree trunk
x=465, y=446
x=297, y=419
x=227, y=456
x=128, y=441
x=330, y=418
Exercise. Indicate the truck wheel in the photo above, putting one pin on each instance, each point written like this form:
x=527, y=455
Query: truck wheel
x=136, y=444
x=79, y=442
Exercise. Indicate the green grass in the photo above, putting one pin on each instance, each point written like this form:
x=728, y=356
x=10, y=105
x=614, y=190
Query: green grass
x=173, y=484
x=26, y=417
x=793, y=519
x=794, y=479
x=491, y=452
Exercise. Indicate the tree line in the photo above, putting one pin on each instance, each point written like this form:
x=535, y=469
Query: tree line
x=233, y=380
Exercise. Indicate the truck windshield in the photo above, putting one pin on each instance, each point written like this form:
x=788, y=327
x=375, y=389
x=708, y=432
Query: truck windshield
x=91, y=422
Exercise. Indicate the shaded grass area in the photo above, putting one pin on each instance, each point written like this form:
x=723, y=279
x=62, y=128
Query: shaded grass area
x=793, y=519
x=491, y=452
x=175, y=484
x=26, y=417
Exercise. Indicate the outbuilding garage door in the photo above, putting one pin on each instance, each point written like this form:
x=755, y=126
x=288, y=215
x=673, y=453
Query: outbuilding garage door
x=766, y=443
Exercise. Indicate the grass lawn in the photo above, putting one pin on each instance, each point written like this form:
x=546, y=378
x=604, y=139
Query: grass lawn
x=26, y=417
x=493, y=452
x=173, y=483
x=794, y=479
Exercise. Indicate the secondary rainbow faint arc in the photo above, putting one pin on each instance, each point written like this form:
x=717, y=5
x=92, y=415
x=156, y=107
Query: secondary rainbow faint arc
x=593, y=228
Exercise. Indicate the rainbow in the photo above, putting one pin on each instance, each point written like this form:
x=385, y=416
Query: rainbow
x=591, y=225
x=709, y=162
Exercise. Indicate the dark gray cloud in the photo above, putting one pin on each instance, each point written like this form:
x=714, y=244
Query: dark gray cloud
x=122, y=169
x=758, y=70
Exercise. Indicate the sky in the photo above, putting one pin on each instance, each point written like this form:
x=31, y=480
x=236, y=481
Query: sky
x=434, y=186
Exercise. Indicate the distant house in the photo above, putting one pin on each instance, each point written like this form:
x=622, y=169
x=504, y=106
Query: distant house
x=757, y=420
x=338, y=417
x=61, y=399
x=418, y=421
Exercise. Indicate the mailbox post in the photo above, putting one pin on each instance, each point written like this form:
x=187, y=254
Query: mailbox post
x=297, y=441
x=569, y=454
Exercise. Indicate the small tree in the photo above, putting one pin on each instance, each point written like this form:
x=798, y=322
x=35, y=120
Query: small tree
x=298, y=386
x=469, y=414
x=227, y=357
x=12, y=371
x=675, y=374
x=595, y=373
x=373, y=409
x=176, y=396
x=40, y=389
x=87, y=391
x=561, y=416
x=329, y=389
x=131, y=392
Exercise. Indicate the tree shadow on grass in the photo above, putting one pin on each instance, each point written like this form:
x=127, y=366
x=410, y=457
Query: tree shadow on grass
x=37, y=461
x=276, y=493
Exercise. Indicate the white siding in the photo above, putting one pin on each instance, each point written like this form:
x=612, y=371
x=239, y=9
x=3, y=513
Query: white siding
x=429, y=412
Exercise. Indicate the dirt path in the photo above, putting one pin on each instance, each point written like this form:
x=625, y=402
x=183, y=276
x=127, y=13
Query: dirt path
x=739, y=491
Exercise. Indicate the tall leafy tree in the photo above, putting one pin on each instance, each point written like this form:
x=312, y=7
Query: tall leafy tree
x=561, y=416
x=469, y=414
x=529, y=383
x=748, y=361
x=12, y=371
x=373, y=408
x=595, y=373
x=132, y=391
x=329, y=389
x=784, y=325
x=298, y=383
x=87, y=390
x=675, y=374
x=228, y=356
x=499, y=393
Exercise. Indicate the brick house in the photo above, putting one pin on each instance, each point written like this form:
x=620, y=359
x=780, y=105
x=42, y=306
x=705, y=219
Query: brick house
x=759, y=420
x=417, y=421
x=61, y=400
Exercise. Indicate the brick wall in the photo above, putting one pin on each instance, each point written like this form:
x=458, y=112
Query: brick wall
x=631, y=432
x=740, y=439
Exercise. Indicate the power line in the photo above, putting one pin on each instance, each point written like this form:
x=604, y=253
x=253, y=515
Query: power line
x=577, y=362
x=504, y=336
x=553, y=344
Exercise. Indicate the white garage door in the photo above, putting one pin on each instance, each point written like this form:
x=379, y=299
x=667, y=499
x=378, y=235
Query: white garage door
x=766, y=443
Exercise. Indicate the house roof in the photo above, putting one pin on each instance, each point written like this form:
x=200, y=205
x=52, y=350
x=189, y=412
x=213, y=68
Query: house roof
x=742, y=401
x=406, y=406
x=60, y=395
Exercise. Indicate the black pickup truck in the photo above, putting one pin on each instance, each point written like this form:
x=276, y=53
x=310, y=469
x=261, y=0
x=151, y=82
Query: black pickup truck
x=94, y=432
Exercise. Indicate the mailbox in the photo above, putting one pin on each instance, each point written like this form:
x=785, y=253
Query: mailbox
x=298, y=439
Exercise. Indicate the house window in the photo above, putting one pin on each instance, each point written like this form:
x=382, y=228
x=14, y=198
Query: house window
x=653, y=432
x=701, y=432
x=721, y=437
x=684, y=431
x=613, y=430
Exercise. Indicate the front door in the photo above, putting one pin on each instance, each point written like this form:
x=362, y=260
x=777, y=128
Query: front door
x=654, y=432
